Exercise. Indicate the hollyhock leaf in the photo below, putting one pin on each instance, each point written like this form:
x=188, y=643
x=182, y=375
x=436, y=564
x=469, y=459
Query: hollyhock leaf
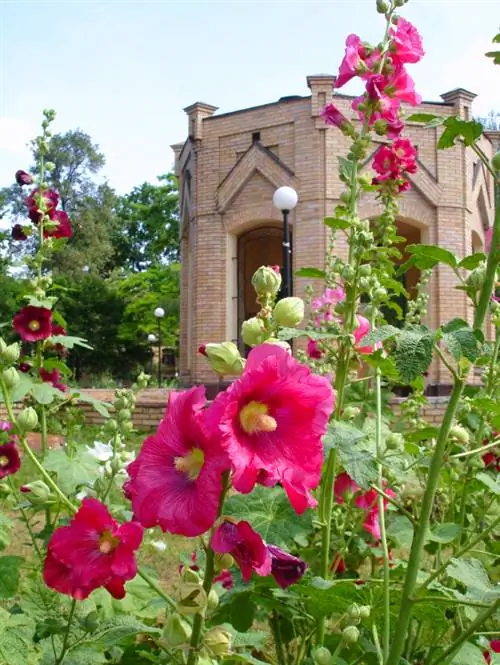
x=428, y=119
x=72, y=472
x=44, y=393
x=6, y=526
x=492, y=484
x=379, y=335
x=16, y=639
x=52, y=363
x=346, y=169
x=401, y=529
x=69, y=342
x=336, y=223
x=101, y=407
x=354, y=452
x=246, y=658
x=459, y=339
x=251, y=638
x=438, y=254
x=286, y=334
x=314, y=273
x=423, y=434
x=270, y=514
x=413, y=352
x=472, y=574
x=495, y=55
x=21, y=389
x=337, y=598
x=472, y=261
x=469, y=130
x=469, y=654
x=445, y=533
x=46, y=303
x=119, y=630
x=242, y=611
x=9, y=575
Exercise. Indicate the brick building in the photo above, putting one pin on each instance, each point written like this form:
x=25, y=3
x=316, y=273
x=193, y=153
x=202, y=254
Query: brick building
x=231, y=164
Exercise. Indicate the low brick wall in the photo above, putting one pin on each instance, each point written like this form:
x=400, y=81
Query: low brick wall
x=151, y=405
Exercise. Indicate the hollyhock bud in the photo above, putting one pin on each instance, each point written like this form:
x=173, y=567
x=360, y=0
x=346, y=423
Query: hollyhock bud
x=177, y=631
x=39, y=492
x=23, y=178
x=224, y=358
x=350, y=635
x=10, y=377
x=213, y=600
x=365, y=611
x=193, y=600
x=266, y=281
x=18, y=232
x=289, y=312
x=285, y=568
x=223, y=561
x=11, y=353
x=218, y=641
x=322, y=656
x=354, y=614
x=394, y=441
x=313, y=350
x=459, y=434
x=190, y=576
x=495, y=162
x=253, y=331
x=382, y=7
x=27, y=420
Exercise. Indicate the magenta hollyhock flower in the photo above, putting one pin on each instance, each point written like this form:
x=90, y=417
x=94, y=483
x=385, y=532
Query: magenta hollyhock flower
x=23, y=178
x=313, y=350
x=402, y=87
x=93, y=551
x=33, y=323
x=24, y=367
x=18, y=233
x=332, y=116
x=406, y=44
x=285, y=568
x=63, y=228
x=362, y=329
x=5, y=426
x=357, y=61
x=225, y=578
x=245, y=546
x=176, y=480
x=54, y=377
x=271, y=420
x=10, y=460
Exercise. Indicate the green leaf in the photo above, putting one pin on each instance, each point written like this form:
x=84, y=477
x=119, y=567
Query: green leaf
x=53, y=363
x=429, y=119
x=6, y=526
x=69, y=342
x=495, y=55
x=353, y=451
x=445, y=533
x=287, y=334
x=469, y=654
x=242, y=611
x=250, y=638
x=16, y=639
x=21, y=389
x=346, y=168
x=380, y=335
x=119, y=629
x=314, y=273
x=423, y=434
x=434, y=253
x=244, y=658
x=270, y=514
x=472, y=574
x=413, y=353
x=459, y=339
x=44, y=393
x=9, y=575
x=336, y=223
x=472, y=261
x=325, y=598
x=468, y=130
x=100, y=406
x=491, y=484
x=401, y=529
x=72, y=472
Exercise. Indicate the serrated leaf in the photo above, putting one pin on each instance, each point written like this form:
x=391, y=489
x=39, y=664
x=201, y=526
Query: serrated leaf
x=472, y=261
x=472, y=574
x=53, y=363
x=336, y=223
x=469, y=654
x=468, y=130
x=69, y=342
x=72, y=472
x=428, y=119
x=434, y=253
x=44, y=393
x=379, y=335
x=460, y=340
x=16, y=639
x=353, y=451
x=323, y=600
x=413, y=353
x=21, y=389
x=9, y=575
x=495, y=55
x=101, y=407
x=492, y=484
x=445, y=533
x=314, y=273
x=6, y=526
x=401, y=529
x=270, y=514
x=118, y=630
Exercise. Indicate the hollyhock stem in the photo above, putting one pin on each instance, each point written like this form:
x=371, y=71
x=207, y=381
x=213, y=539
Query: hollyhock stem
x=153, y=585
x=66, y=634
x=489, y=280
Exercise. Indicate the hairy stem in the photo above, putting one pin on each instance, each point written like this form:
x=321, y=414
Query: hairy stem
x=66, y=634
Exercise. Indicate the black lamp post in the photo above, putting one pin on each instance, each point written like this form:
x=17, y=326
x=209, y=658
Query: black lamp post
x=152, y=340
x=285, y=199
x=159, y=313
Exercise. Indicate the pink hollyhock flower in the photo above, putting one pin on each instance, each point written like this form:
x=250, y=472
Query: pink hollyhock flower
x=23, y=178
x=358, y=59
x=272, y=420
x=332, y=116
x=313, y=350
x=18, y=233
x=10, y=460
x=333, y=296
x=33, y=323
x=401, y=86
x=5, y=426
x=41, y=203
x=63, y=228
x=176, y=480
x=93, y=551
x=245, y=546
x=406, y=44
x=344, y=484
x=285, y=568
x=225, y=578
x=362, y=329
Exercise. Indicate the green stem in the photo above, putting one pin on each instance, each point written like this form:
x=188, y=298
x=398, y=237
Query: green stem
x=278, y=641
x=395, y=503
x=489, y=280
x=381, y=511
x=43, y=430
x=477, y=623
x=66, y=634
x=156, y=587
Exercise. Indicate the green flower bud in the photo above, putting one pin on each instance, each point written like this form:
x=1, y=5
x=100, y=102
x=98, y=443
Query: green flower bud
x=190, y=576
x=351, y=412
x=49, y=166
x=365, y=611
x=213, y=599
x=3, y=346
x=267, y=281
x=5, y=491
x=177, y=631
x=218, y=641
x=37, y=492
x=111, y=426
x=143, y=380
x=394, y=441
x=350, y=635
x=380, y=125
x=223, y=562
x=495, y=162
x=224, y=359
x=193, y=600
x=365, y=270
x=27, y=420
x=353, y=613
x=120, y=403
x=124, y=414
x=382, y=7
x=10, y=377
x=253, y=331
x=289, y=312
x=279, y=342
x=322, y=656
x=126, y=427
x=460, y=434
x=116, y=465
x=11, y=353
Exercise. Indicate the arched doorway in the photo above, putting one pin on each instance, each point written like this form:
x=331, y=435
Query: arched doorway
x=262, y=246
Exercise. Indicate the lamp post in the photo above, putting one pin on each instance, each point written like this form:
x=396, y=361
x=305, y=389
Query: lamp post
x=285, y=199
x=159, y=313
x=152, y=340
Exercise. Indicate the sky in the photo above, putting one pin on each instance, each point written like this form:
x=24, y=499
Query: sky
x=123, y=71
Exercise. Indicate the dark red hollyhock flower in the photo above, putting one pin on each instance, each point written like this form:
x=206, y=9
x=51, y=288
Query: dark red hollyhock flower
x=57, y=330
x=49, y=200
x=53, y=377
x=10, y=460
x=18, y=233
x=225, y=578
x=23, y=178
x=495, y=647
x=338, y=565
x=202, y=349
x=33, y=323
x=24, y=367
x=63, y=228
x=93, y=551
x=285, y=568
x=245, y=546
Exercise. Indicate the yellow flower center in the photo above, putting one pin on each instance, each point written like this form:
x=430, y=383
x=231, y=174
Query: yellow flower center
x=108, y=543
x=34, y=325
x=191, y=464
x=255, y=418
x=4, y=461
